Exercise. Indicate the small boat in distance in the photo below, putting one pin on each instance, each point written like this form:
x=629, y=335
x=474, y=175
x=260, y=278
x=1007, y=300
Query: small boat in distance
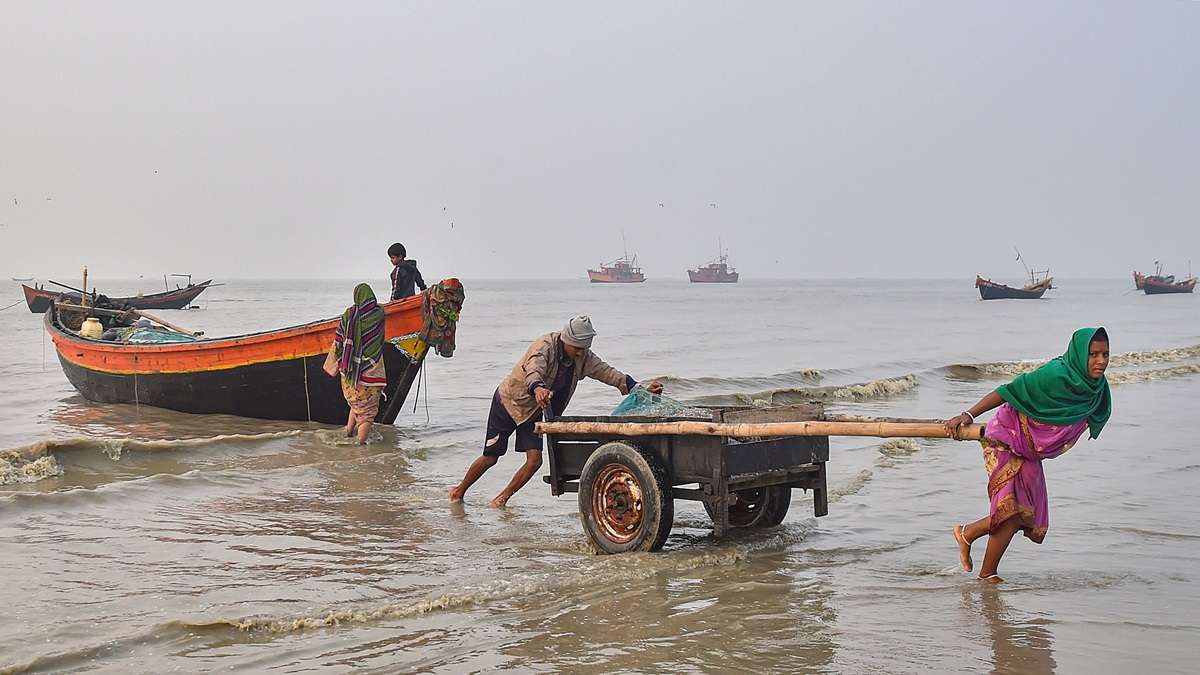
x=716, y=271
x=23, y=280
x=1160, y=284
x=623, y=270
x=39, y=299
x=1034, y=290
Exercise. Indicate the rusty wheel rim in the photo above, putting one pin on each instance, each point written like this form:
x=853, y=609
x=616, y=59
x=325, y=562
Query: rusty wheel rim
x=748, y=507
x=617, y=504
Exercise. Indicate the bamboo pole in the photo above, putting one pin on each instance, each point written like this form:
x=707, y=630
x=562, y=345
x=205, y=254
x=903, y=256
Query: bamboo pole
x=134, y=312
x=83, y=298
x=927, y=429
x=172, y=326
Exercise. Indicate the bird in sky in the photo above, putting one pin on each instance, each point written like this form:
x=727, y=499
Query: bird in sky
x=660, y=204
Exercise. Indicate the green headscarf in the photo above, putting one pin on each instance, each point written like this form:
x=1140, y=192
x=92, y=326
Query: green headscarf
x=359, y=336
x=1061, y=391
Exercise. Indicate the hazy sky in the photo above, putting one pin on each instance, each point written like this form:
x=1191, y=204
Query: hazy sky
x=885, y=139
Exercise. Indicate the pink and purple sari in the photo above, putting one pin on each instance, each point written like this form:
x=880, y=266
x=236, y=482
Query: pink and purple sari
x=1013, y=449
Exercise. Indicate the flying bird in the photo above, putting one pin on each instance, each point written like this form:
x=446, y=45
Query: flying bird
x=660, y=204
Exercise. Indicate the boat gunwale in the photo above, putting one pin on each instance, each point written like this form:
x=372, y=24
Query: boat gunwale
x=58, y=333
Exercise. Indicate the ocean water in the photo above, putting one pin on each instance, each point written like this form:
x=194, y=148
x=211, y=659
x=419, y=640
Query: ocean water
x=134, y=539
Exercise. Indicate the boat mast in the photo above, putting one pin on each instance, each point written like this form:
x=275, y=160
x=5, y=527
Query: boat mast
x=1022, y=261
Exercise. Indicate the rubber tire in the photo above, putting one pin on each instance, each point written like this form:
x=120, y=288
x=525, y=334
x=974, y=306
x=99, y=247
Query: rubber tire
x=773, y=511
x=658, y=503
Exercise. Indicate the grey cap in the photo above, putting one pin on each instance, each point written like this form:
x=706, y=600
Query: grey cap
x=578, y=332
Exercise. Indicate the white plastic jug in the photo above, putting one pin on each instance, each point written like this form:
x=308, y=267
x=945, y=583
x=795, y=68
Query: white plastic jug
x=91, y=328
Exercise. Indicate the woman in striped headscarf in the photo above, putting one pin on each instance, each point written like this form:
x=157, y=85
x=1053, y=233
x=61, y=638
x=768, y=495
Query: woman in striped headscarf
x=358, y=350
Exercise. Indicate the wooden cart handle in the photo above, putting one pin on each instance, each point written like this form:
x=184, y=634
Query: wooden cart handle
x=930, y=429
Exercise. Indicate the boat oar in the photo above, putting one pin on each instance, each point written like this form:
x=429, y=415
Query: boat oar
x=925, y=429
x=69, y=288
x=168, y=324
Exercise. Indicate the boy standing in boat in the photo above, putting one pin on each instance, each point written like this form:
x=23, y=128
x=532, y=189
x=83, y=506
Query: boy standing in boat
x=544, y=379
x=405, y=275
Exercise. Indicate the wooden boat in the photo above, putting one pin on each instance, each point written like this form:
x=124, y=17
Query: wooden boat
x=990, y=290
x=274, y=375
x=619, y=271
x=716, y=271
x=39, y=299
x=1039, y=283
x=623, y=270
x=1156, y=286
x=1161, y=284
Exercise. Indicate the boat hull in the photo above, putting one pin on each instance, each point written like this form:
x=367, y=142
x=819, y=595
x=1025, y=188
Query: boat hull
x=989, y=290
x=39, y=300
x=610, y=278
x=294, y=389
x=701, y=277
x=1152, y=287
x=275, y=375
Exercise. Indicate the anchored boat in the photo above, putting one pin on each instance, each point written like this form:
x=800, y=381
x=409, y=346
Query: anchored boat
x=1160, y=284
x=274, y=374
x=716, y=271
x=1039, y=282
x=623, y=270
x=39, y=299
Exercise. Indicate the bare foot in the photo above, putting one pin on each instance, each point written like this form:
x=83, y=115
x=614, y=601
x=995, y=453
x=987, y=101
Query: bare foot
x=964, y=548
x=992, y=579
x=500, y=501
x=456, y=495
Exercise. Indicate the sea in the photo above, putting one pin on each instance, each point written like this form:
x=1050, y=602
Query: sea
x=141, y=540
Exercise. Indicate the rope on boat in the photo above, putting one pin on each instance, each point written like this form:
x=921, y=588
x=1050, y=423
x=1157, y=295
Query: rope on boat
x=422, y=373
x=137, y=404
x=307, y=403
x=12, y=305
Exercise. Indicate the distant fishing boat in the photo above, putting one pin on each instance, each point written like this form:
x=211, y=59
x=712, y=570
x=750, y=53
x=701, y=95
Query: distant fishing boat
x=1039, y=283
x=716, y=271
x=23, y=280
x=1160, y=284
x=623, y=270
x=39, y=299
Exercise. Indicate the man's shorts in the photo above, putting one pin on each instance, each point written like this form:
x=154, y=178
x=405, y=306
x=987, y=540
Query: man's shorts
x=501, y=425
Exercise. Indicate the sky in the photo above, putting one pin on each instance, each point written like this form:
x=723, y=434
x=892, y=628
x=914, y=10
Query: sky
x=523, y=139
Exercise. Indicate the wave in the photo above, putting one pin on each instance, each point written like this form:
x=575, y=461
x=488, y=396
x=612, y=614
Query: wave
x=882, y=388
x=18, y=468
x=1130, y=376
x=37, y=461
x=1124, y=360
x=777, y=381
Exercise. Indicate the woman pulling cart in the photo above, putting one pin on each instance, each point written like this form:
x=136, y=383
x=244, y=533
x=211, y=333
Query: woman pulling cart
x=1041, y=415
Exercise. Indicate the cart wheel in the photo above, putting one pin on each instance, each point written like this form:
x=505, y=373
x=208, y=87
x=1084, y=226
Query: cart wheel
x=625, y=499
x=758, y=507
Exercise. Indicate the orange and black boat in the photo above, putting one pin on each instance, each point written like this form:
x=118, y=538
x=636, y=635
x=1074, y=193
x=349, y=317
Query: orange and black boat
x=274, y=375
x=40, y=299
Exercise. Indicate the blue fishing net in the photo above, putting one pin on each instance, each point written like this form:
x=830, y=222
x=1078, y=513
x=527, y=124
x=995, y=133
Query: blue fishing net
x=641, y=403
x=142, y=336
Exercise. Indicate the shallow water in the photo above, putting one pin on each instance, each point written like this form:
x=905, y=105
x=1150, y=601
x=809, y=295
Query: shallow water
x=141, y=540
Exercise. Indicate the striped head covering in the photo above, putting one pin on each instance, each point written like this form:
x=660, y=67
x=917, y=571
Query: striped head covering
x=359, y=337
